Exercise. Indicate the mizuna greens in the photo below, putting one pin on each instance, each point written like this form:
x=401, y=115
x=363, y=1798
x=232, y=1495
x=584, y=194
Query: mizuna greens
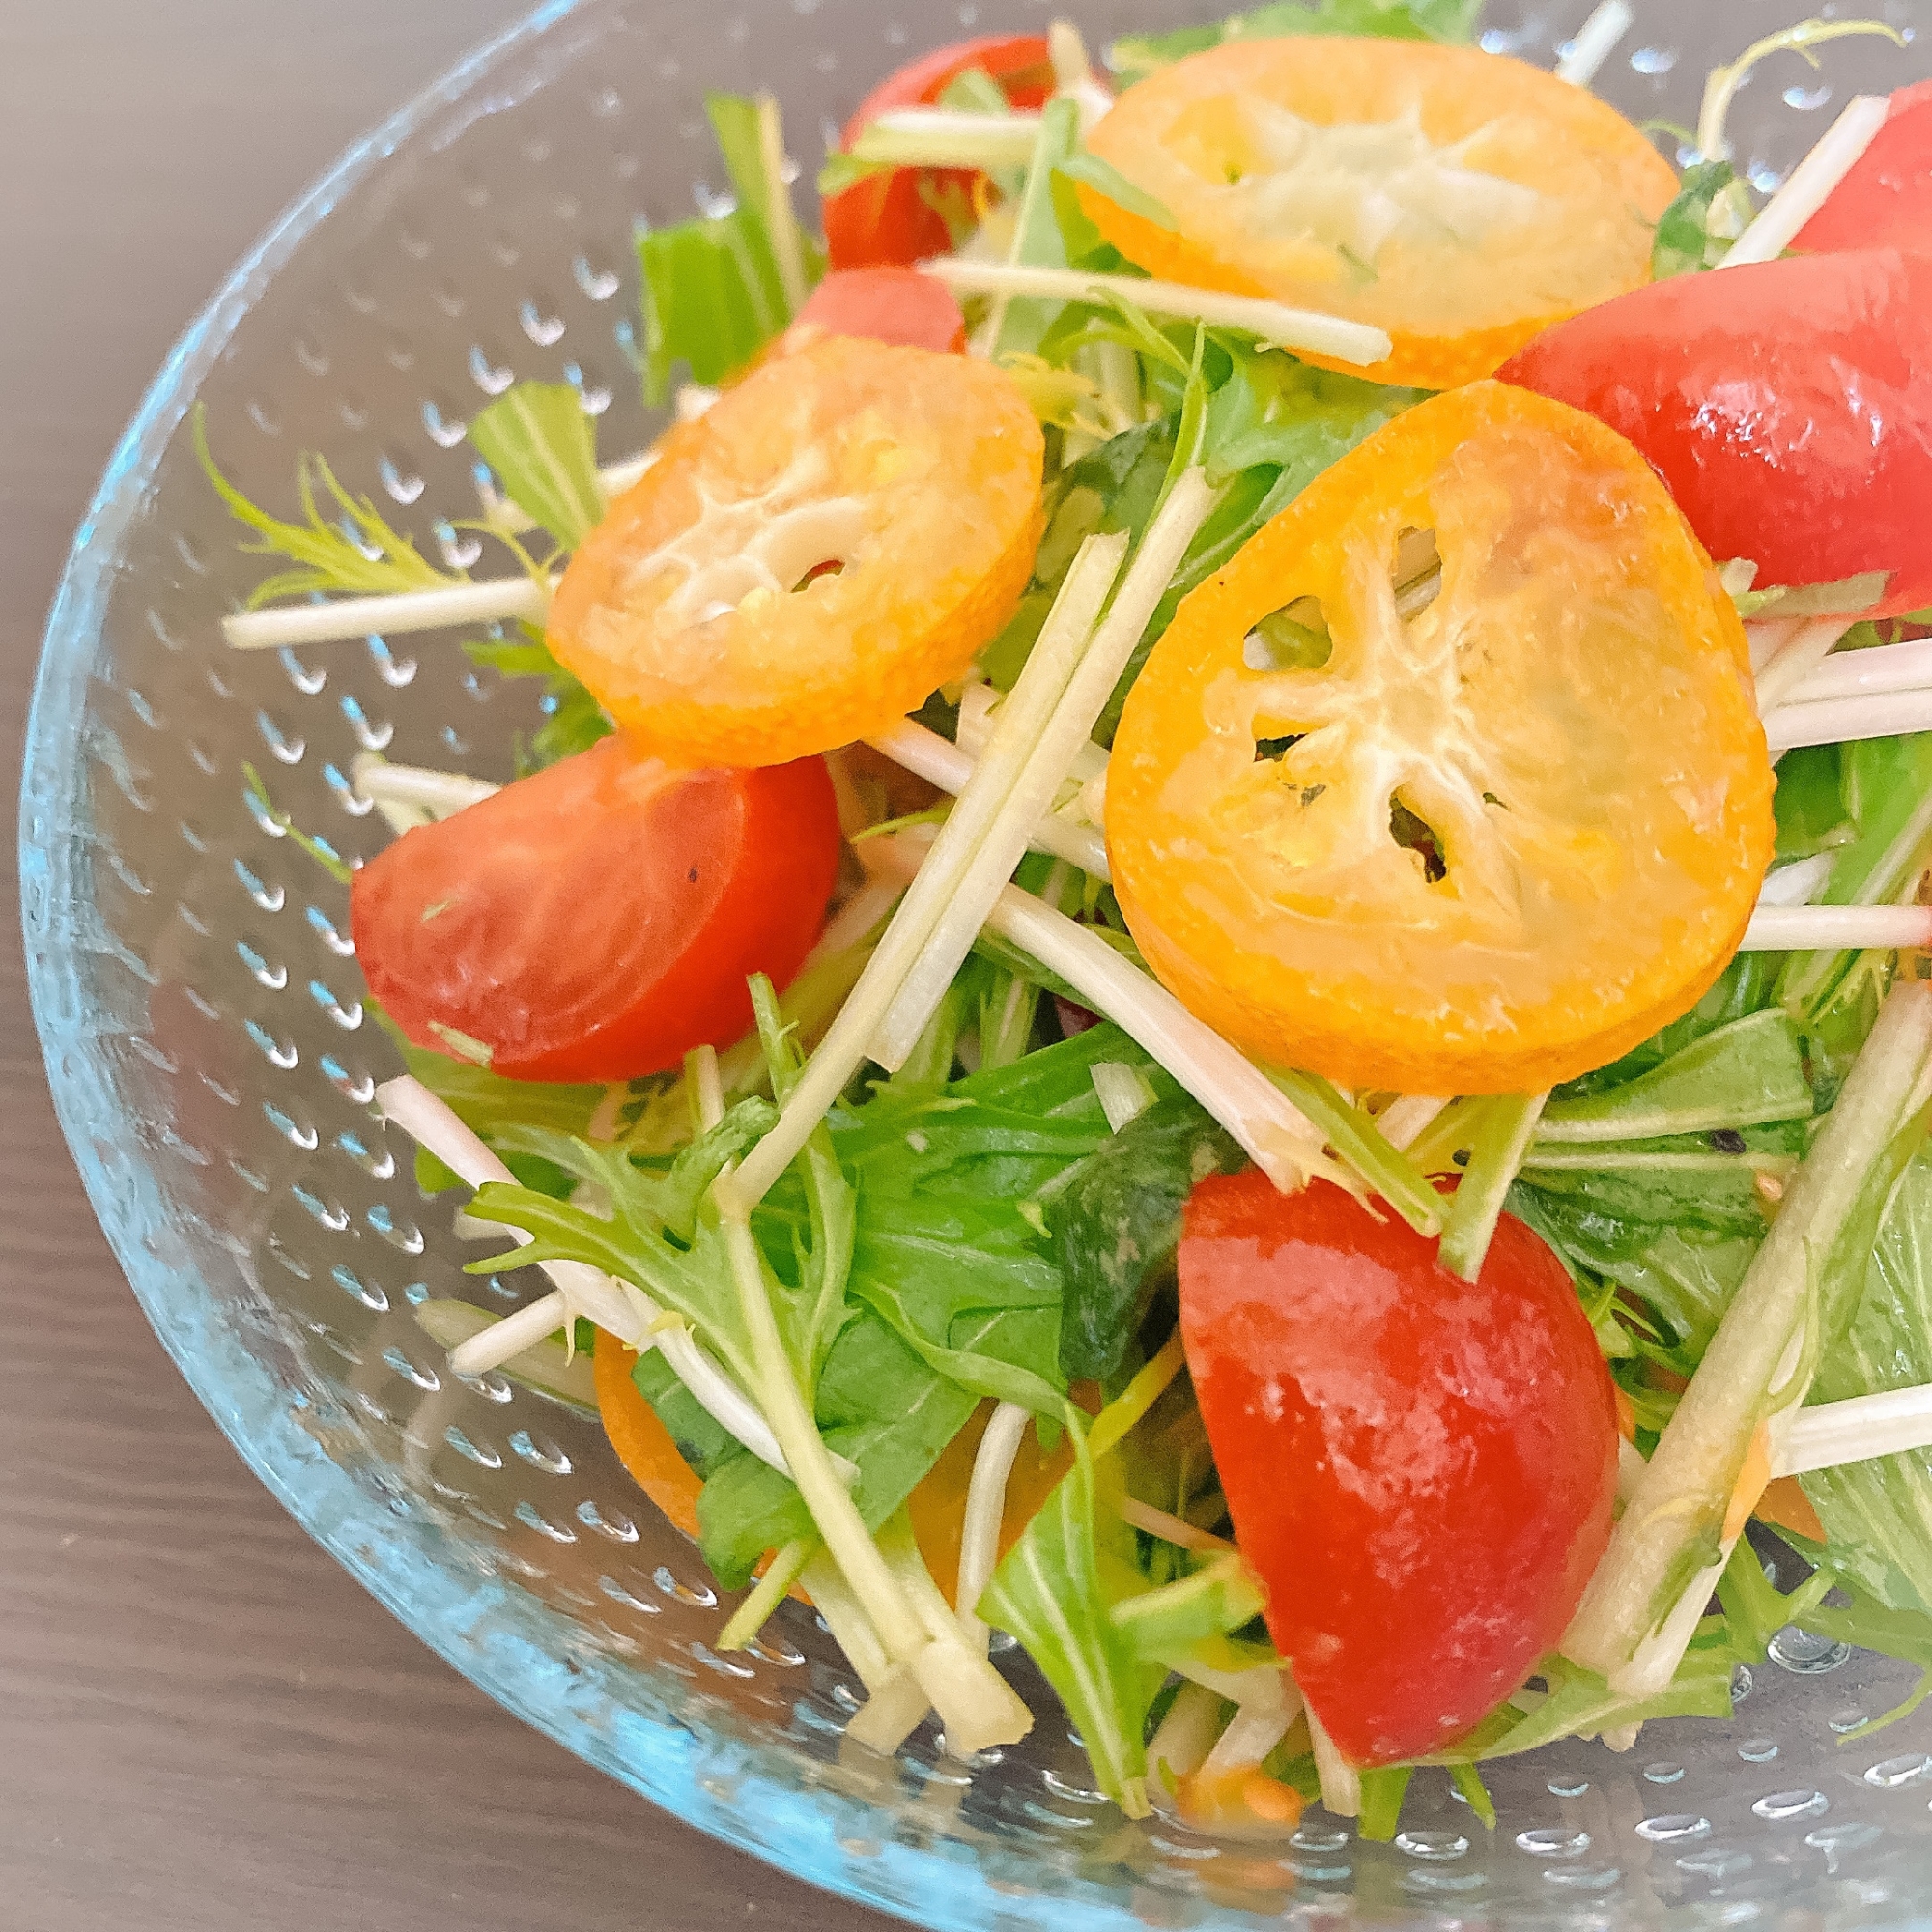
x=940, y=1183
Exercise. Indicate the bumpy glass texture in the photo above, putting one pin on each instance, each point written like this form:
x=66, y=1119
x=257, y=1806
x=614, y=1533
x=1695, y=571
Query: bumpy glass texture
x=198, y=999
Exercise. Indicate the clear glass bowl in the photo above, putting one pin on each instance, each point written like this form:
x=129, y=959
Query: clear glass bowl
x=197, y=998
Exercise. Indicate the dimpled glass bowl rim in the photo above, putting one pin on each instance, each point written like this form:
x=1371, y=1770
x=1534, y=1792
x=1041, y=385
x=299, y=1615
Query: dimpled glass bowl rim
x=500, y=1636
x=580, y=1702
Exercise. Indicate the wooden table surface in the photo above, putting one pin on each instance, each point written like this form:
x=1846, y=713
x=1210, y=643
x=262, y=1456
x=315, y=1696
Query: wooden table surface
x=203, y=1722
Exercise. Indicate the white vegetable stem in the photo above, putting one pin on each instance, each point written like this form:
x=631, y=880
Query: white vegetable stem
x=1884, y=1424
x=1870, y=673
x=1796, y=659
x=439, y=794
x=1186, y=1734
x=619, y=1308
x=1633, y=1614
x=1278, y=1138
x=1073, y=74
x=1839, y=721
x=1596, y=41
x=495, y=601
x=1799, y=883
x=545, y=1365
x=849, y=1038
x=1037, y=781
x=950, y=768
x=975, y=1703
x=945, y=137
x=1341, y=1783
x=1809, y=185
x=1273, y=323
x=780, y=222
x=1813, y=928
x=985, y=1511
x=1403, y=1120
x=1251, y=1734
x=1123, y=1091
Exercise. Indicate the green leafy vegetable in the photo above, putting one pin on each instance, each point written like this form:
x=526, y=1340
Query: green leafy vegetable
x=320, y=850
x=1712, y=210
x=573, y=720
x=537, y=439
x=357, y=554
x=1264, y=424
x=1878, y=1513
x=1050, y=1593
x=1108, y=181
x=1744, y=1074
x=712, y=299
x=1383, y=1793
x=1116, y=1224
x=716, y=289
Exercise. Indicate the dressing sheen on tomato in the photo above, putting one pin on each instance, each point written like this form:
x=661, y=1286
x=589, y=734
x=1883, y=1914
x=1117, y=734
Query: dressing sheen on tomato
x=896, y=217
x=1420, y=1468
x=598, y=920
x=1787, y=404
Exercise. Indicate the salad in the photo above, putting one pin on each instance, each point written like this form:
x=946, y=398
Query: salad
x=1209, y=950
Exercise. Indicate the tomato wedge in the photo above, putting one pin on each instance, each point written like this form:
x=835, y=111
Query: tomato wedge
x=896, y=217
x=1885, y=201
x=703, y=613
x=1472, y=831
x=1456, y=199
x=1787, y=404
x=1420, y=1468
x=597, y=920
x=898, y=305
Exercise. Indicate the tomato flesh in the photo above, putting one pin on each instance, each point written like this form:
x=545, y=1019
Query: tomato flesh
x=597, y=920
x=1787, y=404
x=1886, y=200
x=1420, y=1468
x=895, y=305
x=894, y=217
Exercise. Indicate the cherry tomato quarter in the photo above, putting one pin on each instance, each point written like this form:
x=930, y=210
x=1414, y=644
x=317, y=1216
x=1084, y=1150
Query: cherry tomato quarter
x=894, y=219
x=896, y=305
x=1787, y=404
x=1456, y=199
x=598, y=920
x=1886, y=199
x=701, y=612
x=1485, y=828
x=1420, y=1469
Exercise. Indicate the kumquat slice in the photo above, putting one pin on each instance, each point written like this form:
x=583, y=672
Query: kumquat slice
x=1460, y=200
x=834, y=539
x=1452, y=781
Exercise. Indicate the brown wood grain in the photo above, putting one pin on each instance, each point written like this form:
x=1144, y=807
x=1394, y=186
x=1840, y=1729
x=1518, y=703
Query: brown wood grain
x=203, y=1722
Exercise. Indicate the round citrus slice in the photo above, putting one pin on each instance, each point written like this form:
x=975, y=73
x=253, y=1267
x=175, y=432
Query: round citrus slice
x=803, y=565
x=1452, y=781
x=1460, y=200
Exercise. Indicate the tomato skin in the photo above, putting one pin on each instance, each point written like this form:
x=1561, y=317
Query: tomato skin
x=1420, y=1468
x=1886, y=200
x=900, y=307
x=886, y=219
x=1787, y=404
x=597, y=920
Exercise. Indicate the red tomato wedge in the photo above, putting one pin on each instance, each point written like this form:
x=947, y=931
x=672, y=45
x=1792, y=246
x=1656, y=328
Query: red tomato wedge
x=597, y=920
x=1420, y=1468
x=895, y=218
x=895, y=306
x=1886, y=199
x=1788, y=405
